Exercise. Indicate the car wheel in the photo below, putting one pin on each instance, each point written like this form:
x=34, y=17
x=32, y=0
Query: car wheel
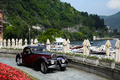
x=18, y=61
x=62, y=68
x=43, y=67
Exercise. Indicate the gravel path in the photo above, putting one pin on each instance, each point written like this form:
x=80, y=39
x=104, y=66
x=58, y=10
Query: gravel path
x=69, y=74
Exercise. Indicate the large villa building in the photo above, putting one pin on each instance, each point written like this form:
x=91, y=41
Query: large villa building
x=1, y=24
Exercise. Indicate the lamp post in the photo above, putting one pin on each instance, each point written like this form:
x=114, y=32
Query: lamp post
x=29, y=36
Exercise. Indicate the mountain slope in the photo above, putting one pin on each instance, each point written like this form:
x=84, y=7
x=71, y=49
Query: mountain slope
x=113, y=21
x=46, y=13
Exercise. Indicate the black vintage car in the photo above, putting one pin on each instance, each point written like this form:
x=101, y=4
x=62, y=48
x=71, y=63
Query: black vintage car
x=39, y=58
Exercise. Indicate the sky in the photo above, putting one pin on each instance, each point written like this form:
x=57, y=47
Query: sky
x=99, y=7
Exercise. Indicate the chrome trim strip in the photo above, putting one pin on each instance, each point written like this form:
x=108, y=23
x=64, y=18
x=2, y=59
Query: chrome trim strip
x=63, y=65
x=52, y=66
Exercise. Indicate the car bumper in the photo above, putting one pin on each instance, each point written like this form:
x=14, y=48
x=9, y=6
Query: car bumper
x=52, y=66
x=63, y=65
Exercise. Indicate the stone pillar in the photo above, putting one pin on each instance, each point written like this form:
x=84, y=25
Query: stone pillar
x=88, y=47
x=13, y=43
x=20, y=43
x=94, y=37
x=64, y=46
x=117, y=51
x=4, y=42
x=8, y=43
x=16, y=43
x=48, y=45
x=25, y=42
x=68, y=45
x=107, y=47
x=31, y=41
x=36, y=42
x=1, y=43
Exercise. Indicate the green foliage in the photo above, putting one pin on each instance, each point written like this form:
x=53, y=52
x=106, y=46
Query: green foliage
x=93, y=57
x=107, y=59
x=80, y=55
x=50, y=34
x=3, y=48
x=10, y=32
x=69, y=53
x=73, y=36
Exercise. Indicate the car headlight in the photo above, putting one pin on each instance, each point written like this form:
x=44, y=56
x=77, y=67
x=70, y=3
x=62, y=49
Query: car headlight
x=63, y=61
x=52, y=61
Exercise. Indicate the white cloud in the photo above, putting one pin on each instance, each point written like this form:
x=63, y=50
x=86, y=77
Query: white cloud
x=114, y=4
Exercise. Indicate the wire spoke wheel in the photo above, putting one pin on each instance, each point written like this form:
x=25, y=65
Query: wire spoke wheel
x=18, y=61
x=43, y=67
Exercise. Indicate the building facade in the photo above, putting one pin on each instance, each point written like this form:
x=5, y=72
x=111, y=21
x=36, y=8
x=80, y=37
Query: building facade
x=1, y=24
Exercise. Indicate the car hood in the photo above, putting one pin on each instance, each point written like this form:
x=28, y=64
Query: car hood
x=48, y=55
x=44, y=53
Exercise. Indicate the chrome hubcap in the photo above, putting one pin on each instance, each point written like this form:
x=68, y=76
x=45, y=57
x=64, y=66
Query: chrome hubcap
x=42, y=67
x=18, y=61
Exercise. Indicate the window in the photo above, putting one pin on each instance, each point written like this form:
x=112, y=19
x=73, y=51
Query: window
x=27, y=51
x=38, y=50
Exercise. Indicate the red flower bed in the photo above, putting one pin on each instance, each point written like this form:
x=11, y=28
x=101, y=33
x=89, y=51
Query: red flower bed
x=10, y=73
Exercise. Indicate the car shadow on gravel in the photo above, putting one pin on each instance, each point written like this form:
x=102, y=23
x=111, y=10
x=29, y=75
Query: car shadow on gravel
x=54, y=70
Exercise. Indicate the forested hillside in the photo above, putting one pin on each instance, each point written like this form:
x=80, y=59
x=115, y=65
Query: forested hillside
x=113, y=21
x=23, y=14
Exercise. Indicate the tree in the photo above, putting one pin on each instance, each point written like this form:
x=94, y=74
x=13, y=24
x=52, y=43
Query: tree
x=10, y=32
x=50, y=34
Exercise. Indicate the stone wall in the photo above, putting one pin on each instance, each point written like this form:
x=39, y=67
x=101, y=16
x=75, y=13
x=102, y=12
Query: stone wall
x=112, y=74
x=101, y=68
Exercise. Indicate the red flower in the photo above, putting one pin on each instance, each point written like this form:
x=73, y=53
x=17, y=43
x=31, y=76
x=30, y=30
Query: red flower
x=10, y=73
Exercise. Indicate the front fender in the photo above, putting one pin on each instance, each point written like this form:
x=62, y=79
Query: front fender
x=36, y=63
x=18, y=55
x=59, y=60
x=62, y=57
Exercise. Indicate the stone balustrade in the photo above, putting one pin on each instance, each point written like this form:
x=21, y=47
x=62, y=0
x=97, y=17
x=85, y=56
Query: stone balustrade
x=16, y=43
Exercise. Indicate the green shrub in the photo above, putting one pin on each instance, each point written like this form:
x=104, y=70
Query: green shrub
x=93, y=57
x=81, y=55
x=4, y=48
x=69, y=53
x=11, y=48
x=107, y=59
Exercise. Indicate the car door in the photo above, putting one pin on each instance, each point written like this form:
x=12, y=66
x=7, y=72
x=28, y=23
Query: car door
x=28, y=56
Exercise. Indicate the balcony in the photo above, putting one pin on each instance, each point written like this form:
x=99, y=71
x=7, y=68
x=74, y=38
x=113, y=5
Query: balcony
x=1, y=26
x=0, y=20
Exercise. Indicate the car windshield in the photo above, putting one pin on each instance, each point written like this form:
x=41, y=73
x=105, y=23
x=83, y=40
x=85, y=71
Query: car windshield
x=39, y=50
